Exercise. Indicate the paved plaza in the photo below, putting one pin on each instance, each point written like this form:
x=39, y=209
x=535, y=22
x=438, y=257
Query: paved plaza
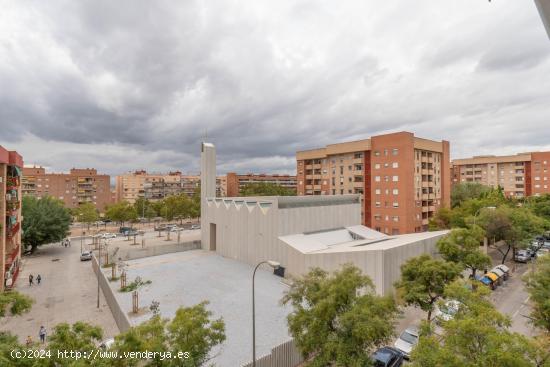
x=68, y=293
x=187, y=278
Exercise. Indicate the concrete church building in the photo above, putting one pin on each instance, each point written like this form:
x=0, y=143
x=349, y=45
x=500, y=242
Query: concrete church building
x=302, y=232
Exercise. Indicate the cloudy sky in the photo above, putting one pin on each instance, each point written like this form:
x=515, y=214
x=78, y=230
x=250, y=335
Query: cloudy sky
x=122, y=85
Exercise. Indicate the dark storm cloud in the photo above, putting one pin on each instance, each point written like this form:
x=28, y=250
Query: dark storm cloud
x=121, y=85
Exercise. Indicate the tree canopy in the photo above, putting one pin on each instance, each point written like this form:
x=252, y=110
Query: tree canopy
x=477, y=336
x=266, y=189
x=338, y=319
x=86, y=213
x=538, y=287
x=121, y=212
x=423, y=281
x=461, y=246
x=462, y=192
x=45, y=220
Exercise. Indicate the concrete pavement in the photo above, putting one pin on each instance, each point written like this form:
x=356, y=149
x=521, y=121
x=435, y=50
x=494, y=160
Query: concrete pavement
x=68, y=293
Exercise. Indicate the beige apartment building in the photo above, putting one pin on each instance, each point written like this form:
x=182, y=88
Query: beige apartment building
x=152, y=186
x=402, y=179
x=520, y=175
x=190, y=183
x=236, y=182
x=80, y=185
x=11, y=164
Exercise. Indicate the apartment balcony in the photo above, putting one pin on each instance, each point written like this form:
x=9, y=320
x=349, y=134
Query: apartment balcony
x=315, y=177
x=12, y=183
x=316, y=166
x=309, y=166
x=358, y=184
x=316, y=187
x=425, y=209
x=426, y=171
x=309, y=187
x=431, y=208
x=425, y=221
x=358, y=161
x=12, y=231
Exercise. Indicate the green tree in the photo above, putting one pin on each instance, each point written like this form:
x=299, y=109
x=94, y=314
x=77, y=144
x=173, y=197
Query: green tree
x=177, y=207
x=86, y=213
x=338, y=319
x=514, y=226
x=462, y=246
x=266, y=189
x=423, y=281
x=79, y=337
x=144, y=208
x=191, y=330
x=8, y=344
x=45, y=220
x=538, y=286
x=17, y=303
x=465, y=191
x=540, y=205
x=121, y=212
x=477, y=336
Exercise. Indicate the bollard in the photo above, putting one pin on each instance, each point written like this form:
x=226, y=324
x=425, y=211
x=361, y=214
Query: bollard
x=135, y=305
x=113, y=271
x=123, y=280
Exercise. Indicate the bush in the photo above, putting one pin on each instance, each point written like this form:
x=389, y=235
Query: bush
x=18, y=303
x=137, y=283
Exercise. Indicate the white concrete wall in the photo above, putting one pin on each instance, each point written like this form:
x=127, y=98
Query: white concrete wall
x=250, y=233
x=208, y=184
x=382, y=266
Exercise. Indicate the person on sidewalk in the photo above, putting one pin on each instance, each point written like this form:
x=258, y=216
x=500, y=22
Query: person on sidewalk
x=28, y=342
x=38, y=279
x=30, y=279
x=42, y=334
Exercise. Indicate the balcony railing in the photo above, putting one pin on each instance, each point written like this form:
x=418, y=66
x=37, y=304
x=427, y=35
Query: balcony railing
x=12, y=231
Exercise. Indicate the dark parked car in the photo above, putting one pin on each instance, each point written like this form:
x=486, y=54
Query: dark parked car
x=387, y=357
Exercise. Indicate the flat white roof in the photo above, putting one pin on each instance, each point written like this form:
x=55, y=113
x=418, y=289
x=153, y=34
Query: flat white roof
x=354, y=238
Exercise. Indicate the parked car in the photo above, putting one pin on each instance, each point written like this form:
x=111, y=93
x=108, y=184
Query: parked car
x=108, y=235
x=175, y=229
x=522, y=256
x=494, y=280
x=196, y=226
x=546, y=244
x=86, y=255
x=407, y=341
x=447, y=311
x=505, y=270
x=387, y=357
x=125, y=229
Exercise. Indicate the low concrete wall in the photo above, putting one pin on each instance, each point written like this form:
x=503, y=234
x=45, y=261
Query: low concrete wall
x=283, y=355
x=137, y=252
x=121, y=318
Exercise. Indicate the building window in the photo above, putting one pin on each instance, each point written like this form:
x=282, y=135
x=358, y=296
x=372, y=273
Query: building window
x=377, y=204
x=395, y=151
x=395, y=178
x=377, y=166
x=396, y=191
x=377, y=153
x=376, y=178
x=395, y=231
x=395, y=218
x=341, y=191
x=377, y=191
x=395, y=204
x=395, y=165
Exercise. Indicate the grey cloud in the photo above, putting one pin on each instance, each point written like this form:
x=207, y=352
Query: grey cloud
x=142, y=81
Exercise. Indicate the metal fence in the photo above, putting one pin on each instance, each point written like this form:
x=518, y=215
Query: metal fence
x=283, y=355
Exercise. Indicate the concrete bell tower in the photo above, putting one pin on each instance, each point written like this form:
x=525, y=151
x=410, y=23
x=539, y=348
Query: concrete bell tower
x=208, y=189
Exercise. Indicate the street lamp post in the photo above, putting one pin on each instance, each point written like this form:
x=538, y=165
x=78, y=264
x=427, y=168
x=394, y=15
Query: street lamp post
x=274, y=265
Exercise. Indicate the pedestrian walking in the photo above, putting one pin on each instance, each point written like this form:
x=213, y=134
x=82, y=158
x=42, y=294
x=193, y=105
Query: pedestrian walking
x=42, y=334
x=69, y=242
x=28, y=342
x=38, y=279
x=30, y=279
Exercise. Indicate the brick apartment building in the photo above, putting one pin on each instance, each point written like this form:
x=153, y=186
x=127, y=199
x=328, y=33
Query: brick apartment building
x=11, y=164
x=403, y=179
x=80, y=185
x=236, y=182
x=520, y=175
